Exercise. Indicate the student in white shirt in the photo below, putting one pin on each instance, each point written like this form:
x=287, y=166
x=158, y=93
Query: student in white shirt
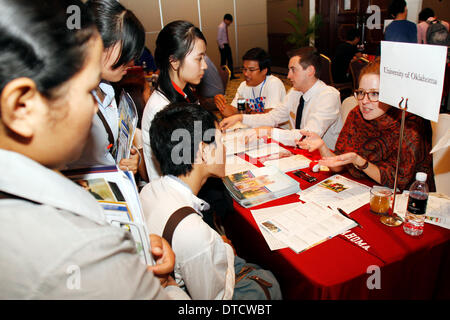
x=123, y=39
x=180, y=57
x=204, y=262
x=261, y=90
x=321, y=103
x=55, y=242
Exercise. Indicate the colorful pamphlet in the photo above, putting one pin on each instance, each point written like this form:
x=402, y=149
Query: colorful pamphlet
x=253, y=187
x=116, y=192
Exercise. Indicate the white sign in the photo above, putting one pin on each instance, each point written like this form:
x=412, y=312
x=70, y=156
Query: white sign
x=414, y=72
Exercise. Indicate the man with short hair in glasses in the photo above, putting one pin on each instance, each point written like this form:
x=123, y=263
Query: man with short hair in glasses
x=261, y=90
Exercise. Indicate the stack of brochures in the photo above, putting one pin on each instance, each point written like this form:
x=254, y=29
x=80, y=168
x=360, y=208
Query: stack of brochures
x=116, y=192
x=253, y=187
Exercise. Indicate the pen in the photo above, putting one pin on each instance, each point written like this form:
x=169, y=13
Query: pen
x=347, y=216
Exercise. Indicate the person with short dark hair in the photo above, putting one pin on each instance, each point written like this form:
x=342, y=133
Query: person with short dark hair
x=426, y=17
x=261, y=90
x=310, y=104
x=187, y=144
x=345, y=52
x=223, y=41
x=400, y=30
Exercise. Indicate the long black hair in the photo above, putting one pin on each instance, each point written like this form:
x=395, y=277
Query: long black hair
x=118, y=24
x=38, y=43
x=175, y=41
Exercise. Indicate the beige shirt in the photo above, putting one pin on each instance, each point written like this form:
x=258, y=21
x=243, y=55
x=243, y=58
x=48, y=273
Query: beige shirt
x=63, y=248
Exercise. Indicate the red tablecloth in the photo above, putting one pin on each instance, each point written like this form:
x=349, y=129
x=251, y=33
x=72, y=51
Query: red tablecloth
x=409, y=267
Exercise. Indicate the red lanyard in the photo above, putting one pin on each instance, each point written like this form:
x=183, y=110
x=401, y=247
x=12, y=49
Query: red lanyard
x=178, y=89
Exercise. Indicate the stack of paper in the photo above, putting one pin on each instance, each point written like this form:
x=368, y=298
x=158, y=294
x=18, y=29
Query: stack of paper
x=305, y=225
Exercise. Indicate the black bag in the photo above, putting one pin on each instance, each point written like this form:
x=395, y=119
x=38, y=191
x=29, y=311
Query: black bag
x=437, y=33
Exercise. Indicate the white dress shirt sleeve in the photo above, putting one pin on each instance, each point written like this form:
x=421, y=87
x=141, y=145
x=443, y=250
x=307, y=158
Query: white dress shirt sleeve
x=273, y=118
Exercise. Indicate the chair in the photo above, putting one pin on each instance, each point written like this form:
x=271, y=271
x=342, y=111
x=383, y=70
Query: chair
x=347, y=105
x=355, y=68
x=327, y=77
x=441, y=158
x=225, y=74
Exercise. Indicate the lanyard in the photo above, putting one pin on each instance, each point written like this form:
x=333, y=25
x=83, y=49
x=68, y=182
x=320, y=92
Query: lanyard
x=178, y=89
x=260, y=92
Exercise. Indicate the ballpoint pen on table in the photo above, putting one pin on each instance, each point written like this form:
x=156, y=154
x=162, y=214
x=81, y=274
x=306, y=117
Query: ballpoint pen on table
x=347, y=216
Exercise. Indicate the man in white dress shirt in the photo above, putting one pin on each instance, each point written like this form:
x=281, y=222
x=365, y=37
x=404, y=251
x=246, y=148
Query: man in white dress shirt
x=188, y=146
x=261, y=90
x=309, y=105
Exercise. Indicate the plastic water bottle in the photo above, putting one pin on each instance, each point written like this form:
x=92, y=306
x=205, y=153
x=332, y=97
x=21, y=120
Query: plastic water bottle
x=241, y=104
x=417, y=206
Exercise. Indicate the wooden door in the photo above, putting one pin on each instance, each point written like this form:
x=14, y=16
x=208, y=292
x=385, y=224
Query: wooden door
x=338, y=16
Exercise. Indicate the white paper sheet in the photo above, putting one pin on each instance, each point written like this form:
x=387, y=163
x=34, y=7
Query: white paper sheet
x=413, y=71
x=264, y=150
x=293, y=162
x=261, y=215
x=306, y=225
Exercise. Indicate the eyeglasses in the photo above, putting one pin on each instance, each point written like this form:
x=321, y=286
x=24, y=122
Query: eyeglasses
x=249, y=69
x=371, y=95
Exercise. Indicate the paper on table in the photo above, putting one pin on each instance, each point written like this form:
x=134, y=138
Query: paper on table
x=438, y=208
x=235, y=164
x=286, y=137
x=306, y=225
x=338, y=192
x=261, y=215
x=293, y=162
x=264, y=150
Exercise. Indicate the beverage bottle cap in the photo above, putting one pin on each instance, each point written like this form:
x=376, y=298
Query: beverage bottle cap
x=421, y=176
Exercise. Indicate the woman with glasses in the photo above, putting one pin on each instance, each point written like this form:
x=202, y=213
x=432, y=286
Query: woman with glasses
x=368, y=143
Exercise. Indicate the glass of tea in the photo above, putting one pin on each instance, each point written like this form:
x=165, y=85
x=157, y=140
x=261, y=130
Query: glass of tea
x=380, y=199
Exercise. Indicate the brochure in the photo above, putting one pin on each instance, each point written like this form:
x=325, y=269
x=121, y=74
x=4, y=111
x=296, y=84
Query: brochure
x=116, y=192
x=128, y=119
x=306, y=225
x=253, y=187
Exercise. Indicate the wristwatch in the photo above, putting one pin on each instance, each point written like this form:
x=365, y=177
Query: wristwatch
x=363, y=167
